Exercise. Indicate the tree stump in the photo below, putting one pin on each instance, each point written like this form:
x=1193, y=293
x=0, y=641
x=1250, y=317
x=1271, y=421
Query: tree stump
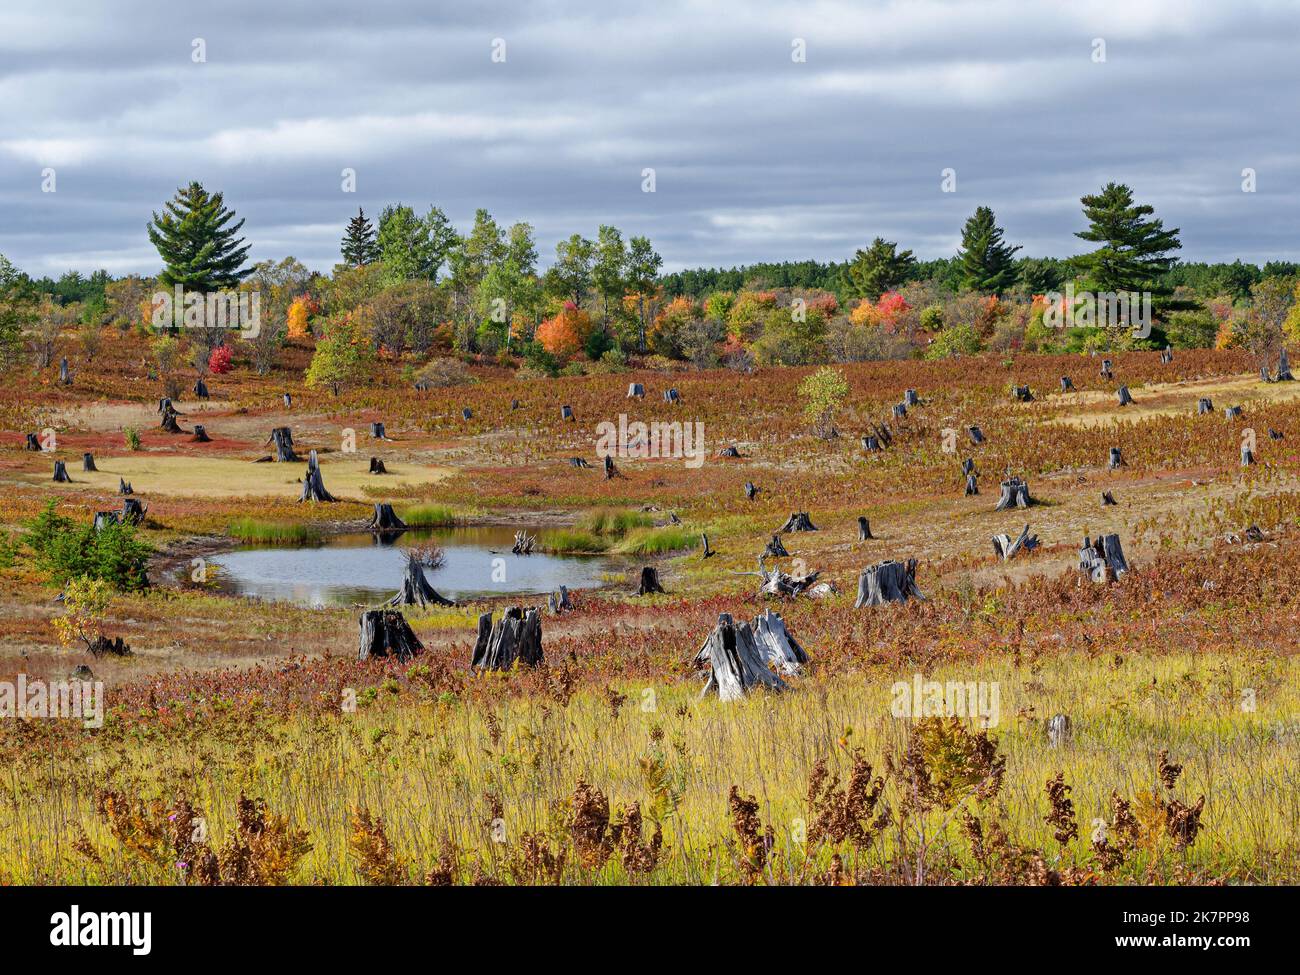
x=649, y=581
x=1284, y=368
x=124, y=486
x=288, y=401
x=385, y=633
x=1103, y=560
x=708, y=552
x=377, y=466
x=1264, y=377
x=1122, y=394
x=377, y=431
x=1204, y=405
x=88, y=462
x=798, y=522
x=1067, y=384
x=313, y=486
x=910, y=398
x=105, y=518
x=864, y=529
x=416, y=590
x=729, y=451
x=1106, y=370
x=672, y=396
x=133, y=511
x=1008, y=548
x=887, y=582
x=1232, y=412
x=1116, y=459
x=524, y=543
x=751, y=492
x=578, y=462
x=775, y=548
x=1247, y=456
x=968, y=465
x=778, y=647
x=1275, y=434
x=61, y=473
x=1167, y=354
x=200, y=435
x=559, y=602
x=1015, y=494
x=635, y=391
x=871, y=444
x=737, y=663
x=900, y=410
x=517, y=636
x=1059, y=730
x=102, y=646
x=33, y=443
x=1024, y=395
x=385, y=519
x=169, y=416
x=972, y=485
x=282, y=437
x=514, y=405
x=883, y=434
x=566, y=413
x=611, y=471
x=201, y=389
x=976, y=434
x=65, y=377
x=467, y=414
x=1107, y=499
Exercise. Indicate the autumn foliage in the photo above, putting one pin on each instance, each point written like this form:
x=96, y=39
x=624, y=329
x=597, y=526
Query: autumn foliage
x=564, y=334
x=302, y=308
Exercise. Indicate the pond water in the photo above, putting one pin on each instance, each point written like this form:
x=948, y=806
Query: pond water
x=366, y=568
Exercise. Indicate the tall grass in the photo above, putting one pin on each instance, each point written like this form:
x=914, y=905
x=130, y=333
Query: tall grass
x=565, y=541
x=259, y=532
x=614, y=521
x=657, y=541
x=429, y=516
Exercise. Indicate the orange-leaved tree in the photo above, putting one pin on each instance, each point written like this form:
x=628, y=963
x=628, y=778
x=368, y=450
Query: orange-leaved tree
x=563, y=335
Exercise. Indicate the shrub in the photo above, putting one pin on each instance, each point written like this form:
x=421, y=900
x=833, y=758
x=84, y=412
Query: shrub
x=67, y=550
x=131, y=437
x=443, y=373
x=219, y=360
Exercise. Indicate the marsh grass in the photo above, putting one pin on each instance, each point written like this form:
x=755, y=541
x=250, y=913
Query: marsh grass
x=657, y=541
x=256, y=531
x=430, y=516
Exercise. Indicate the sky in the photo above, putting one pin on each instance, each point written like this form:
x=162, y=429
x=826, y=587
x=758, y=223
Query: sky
x=775, y=131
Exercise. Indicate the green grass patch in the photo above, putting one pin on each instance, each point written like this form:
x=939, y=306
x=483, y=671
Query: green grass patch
x=273, y=532
x=564, y=541
x=655, y=541
x=614, y=521
x=429, y=516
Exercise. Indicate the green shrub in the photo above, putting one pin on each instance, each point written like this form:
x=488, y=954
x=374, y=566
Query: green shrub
x=132, y=438
x=69, y=550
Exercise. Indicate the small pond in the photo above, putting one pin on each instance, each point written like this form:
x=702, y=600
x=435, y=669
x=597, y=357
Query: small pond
x=365, y=568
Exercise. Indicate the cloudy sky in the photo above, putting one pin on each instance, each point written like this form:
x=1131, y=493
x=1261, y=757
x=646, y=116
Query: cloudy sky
x=756, y=155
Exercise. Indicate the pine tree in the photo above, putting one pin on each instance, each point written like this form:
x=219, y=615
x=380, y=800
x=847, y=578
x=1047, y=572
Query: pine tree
x=1135, y=251
x=986, y=262
x=200, y=251
x=359, y=246
x=880, y=268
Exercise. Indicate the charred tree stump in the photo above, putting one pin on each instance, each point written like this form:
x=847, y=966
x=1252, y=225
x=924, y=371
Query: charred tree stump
x=1103, y=560
x=514, y=405
x=798, y=522
x=124, y=486
x=883, y=434
x=385, y=519
x=611, y=471
x=288, y=401
x=524, y=543
x=201, y=389
x=751, y=492
x=968, y=465
x=649, y=581
x=910, y=398
x=635, y=391
x=864, y=529
x=467, y=414
x=1008, y=548
x=1204, y=405
x=775, y=548
x=377, y=431
x=105, y=518
x=1107, y=499
x=200, y=434
x=61, y=473
x=1247, y=456
x=1122, y=394
x=1284, y=368
x=1232, y=412
x=976, y=434
x=313, y=485
x=1116, y=460
x=566, y=413
x=169, y=416
x=282, y=437
x=578, y=462
x=887, y=582
x=900, y=410
x=133, y=511
x=672, y=396
x=559, y=602
x=708, y=552
x=65, y=377
x=416, y=590
x=871, y=444
x=1275, y=434
x=1106, y=369
x=88, y=462
x=736, y=662
x=972, y=485
x=1067, y=384
x=377, y=466
x=385, y=633
x=33, y=443
x=1167, y=355
x=729, y=451
x=1015, y=494
x=1024, y=395
x=517, y=636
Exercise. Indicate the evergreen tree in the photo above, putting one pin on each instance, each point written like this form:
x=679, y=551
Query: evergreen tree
x=197, y=242
x=1135, y=251
x=359, y=245
x=986, y=261
x=880, y=268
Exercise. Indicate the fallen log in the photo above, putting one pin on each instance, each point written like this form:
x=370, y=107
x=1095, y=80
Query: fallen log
x=385, y=633
x=649, y=581
x=517, y=636
x=798, y=522
x=887, y=582
x=1103, y=560
x=1004, y=546
x=416, y=590
x=1015, y=494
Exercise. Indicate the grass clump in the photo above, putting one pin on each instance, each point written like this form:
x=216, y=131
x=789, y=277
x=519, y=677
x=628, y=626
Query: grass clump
x=572, y=542
x=614, y=521
x=655, y=541
x=273, y=532
x=429, y=516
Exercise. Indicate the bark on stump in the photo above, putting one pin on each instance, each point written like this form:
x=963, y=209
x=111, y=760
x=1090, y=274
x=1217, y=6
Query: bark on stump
x=517, y=636
x=88, y=462
x=416, y=590
x=775, y=549
x=864, y=529
x=1122, y=394
x=200, y=435
x=377, y=466
x=385, y=633
x=649, y=581
x=1009, y=548
x=133, y=511
x=61, y=473
x=887, y=582
x=313, y=486
x=385, y=519
x=737, y=663
x=1015, y=494
x=798, y=522
x=1102, y=560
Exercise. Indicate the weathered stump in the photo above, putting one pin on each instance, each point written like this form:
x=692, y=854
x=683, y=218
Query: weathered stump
x=729, y=451
x=61, y=473
x=1275, y=434
x=1107, y=499
x=1067, y=384
x=1232, y=412
x=1024, y=395
x=288, y=401
x=900, y=410
x=1247, y=456
x=871, y=443
x=775, y=548
x=133, y=511
x=514, y=405
x=385, y=633
x=1116, y=459
x=201, y=389
x=1015, y=494
x=611, y=471
x=377, y=431
x=635, y=391
x=385, y=519
x=566, y=413
x=416, y=590
x=649, y=581
x=65, y=377
x=736, y=662
x=1122, y=394
x=377, y=466
x=517, y=636
x=1059, y=730
x=88, y=462
x=103, y=646
x=708, y=552
x=968, y=465
x=910, y=398
x=1204, y=405
x=976, y=434
x=200, y=434
x=972, y=484
x=1103, y=560
x=751, y=492
x=864, y=529
x=33, y=443
x=124, y=486
x=1106, y=372
x=524, y=543
x=313, y=485
x=105, y=518
x=578, y=462
x=467, y=414
x=1284, y=368
x=672, y=396
x=1264, y=377
x=282, y=437
x=798, y=522
x=1167, y=354
x=778, y=647
x=887, y=582
x=169, y=416
x=559, y=601
x=1009, y=548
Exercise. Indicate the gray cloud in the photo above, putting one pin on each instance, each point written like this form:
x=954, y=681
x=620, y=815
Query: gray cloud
x=756, y=157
